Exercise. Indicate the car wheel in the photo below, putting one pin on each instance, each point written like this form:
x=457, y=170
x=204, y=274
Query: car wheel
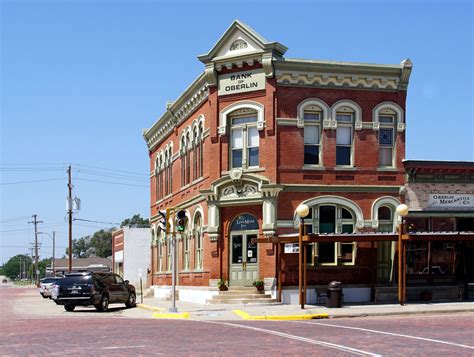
x=44, y=297
x=69, y=307
x=103, y=305
x=132, y=300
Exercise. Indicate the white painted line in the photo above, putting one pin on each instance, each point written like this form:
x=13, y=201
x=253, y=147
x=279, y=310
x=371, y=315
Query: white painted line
x=120, y=347
x=389, y=333
x=299, y=338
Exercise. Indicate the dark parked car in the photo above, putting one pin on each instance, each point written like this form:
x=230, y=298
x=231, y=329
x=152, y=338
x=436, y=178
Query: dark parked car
x=98, y=289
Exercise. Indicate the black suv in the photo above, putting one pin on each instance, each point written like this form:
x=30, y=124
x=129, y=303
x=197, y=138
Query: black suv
x=98, y=289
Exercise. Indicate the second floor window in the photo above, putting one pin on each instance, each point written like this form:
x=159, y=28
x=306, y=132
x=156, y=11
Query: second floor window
x=386, y=138
x=245, y=141
x=312, y=135
x=344, y=133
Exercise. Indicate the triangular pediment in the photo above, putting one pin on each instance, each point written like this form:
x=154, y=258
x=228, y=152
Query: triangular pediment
x=239, y=40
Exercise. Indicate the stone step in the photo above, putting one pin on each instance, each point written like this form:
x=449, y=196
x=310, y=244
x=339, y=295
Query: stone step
x=265, y=301
x=236, y=292
x=242, y=296
x=242, y=288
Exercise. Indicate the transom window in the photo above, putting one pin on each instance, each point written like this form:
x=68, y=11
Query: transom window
x=344, y=133
x=245, y=140
x=312, y=135
x=387, y=120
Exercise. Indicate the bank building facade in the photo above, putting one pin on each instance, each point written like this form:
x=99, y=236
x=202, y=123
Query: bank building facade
x=251, y=138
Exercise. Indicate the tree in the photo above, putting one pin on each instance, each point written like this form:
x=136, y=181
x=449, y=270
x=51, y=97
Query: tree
x=12, y=267
x=136, y=222
x=99, y=245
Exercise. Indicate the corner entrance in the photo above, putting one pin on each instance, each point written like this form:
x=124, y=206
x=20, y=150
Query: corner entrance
x=243, y=252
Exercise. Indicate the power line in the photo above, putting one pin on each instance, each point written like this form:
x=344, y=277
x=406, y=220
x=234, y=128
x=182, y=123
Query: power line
x=107, y=169
x=30, y=181
x=14, y=219
x=103, y=174
x=112, y=182
x=88, y=220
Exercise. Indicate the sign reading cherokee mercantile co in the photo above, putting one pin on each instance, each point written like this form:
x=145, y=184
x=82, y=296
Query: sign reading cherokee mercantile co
x=455, y=200
x=239, y=82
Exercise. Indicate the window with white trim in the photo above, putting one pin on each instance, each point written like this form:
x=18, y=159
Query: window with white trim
x=159, y=259
x=198, y=241
x=344, y=136
x=186, y=250
x=387, y=120
x=245, y=139
x=312, y=134
x=168, y=254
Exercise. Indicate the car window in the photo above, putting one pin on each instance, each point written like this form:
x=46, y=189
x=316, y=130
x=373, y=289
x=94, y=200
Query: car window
x=119, y=279
x=80, y=279
x=108, y=279
x=48, y=280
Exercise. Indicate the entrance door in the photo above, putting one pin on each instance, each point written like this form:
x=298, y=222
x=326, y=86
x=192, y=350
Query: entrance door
x=243, y=258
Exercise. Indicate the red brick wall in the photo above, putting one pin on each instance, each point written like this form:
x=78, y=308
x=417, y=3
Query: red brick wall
x=281, y=155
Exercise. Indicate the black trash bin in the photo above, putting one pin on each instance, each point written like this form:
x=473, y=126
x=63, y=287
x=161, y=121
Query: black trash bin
x=334, y=294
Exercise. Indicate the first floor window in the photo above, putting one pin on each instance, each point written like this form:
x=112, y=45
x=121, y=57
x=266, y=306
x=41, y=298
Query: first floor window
x=168, y=255
x=186, y=250
x=198, y=242
x=331, y=219
x=160, y=256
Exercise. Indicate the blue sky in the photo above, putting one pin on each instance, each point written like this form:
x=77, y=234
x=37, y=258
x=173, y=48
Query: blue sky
x=81, y=79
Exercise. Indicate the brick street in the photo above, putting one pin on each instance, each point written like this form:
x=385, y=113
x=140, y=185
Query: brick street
x=32, y=326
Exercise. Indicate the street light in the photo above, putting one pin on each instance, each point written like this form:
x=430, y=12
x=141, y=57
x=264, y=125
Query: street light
x=402, y=211
x=53, y=237
x=302, y=211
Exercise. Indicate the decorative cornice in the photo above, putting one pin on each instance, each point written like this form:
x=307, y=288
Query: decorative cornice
x=177, y=111
x=342, y=74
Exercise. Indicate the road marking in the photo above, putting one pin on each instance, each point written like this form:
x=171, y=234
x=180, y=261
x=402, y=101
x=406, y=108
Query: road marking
x=299, y=338
x=120, y=347
x=388, y=333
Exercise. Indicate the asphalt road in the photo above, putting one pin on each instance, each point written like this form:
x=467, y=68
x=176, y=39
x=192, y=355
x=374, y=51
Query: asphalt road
x=33, y=326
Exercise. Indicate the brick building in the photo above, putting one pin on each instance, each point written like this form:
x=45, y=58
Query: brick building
x=255, y=135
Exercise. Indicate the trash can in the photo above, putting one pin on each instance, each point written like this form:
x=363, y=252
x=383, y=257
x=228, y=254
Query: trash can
x=334, y=294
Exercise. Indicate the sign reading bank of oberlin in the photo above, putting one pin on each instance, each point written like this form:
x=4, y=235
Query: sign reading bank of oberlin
x=240, y=82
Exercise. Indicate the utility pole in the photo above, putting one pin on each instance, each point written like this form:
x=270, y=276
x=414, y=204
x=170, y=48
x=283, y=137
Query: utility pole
x=69, y=200
x=35, y=222
x=54, y=239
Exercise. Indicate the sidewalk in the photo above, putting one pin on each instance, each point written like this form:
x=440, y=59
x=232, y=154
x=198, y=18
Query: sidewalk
x=195, y=311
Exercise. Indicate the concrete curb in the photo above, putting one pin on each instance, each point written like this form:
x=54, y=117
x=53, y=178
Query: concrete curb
x=150, y=308
x=246, y=316
x=400, y=313
x=176, y=315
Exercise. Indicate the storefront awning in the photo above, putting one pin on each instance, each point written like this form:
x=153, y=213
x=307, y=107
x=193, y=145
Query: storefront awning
x=442, y=214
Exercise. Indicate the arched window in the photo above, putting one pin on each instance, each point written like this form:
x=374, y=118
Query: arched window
x=331, y=218
x=199, y=147
x=183, y=160
x=198, y=241
x=195, y=150
x=245, y=140
x=344, y=136
x=312, y=117
x=387, y=120
x=159, y=261
x=188, y=158
x=168, y=254
x=385, y=216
